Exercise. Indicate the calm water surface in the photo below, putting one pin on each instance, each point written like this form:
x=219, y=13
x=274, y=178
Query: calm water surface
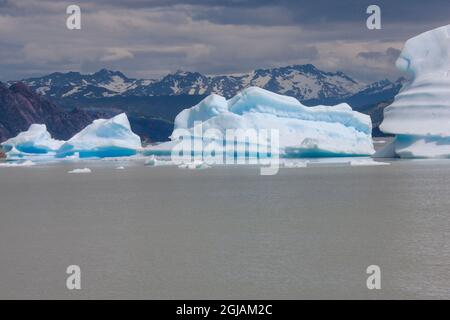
x=165, y=232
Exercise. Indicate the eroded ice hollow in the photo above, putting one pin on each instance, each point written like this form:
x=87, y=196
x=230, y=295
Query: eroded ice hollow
x=321, y=131
x=420, y=113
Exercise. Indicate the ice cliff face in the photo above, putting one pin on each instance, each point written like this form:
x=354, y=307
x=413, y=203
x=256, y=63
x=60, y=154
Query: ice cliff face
x=420, y=114
x=303, y=131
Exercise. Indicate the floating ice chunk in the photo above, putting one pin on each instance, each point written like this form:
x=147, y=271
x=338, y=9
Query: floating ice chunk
x=36, y=140
x=103, y=138
x=151, y=161
x=367, y=162
x=420, y=113
x=26, y=163
x=386, y=151
x=329, y=162
x=120, y=168
x=332, y=162
x=196, y=164
x=84, y=170
x=295, y=164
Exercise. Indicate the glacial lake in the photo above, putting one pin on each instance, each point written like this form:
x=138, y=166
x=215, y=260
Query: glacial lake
x=225, y=232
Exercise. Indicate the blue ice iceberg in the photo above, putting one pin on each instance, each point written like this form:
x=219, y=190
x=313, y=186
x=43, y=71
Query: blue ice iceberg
x=36, y=140
x=103, y=138
x=420, y=114
x=303, y=131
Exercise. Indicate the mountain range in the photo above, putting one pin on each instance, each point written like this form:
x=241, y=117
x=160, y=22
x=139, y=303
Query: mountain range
x=304, y=82
x=152, y=104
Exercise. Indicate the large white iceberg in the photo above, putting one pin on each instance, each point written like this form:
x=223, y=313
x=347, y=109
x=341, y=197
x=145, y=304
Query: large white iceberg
x=36, y=140
x=420, y=114
x=303, y=131
x=103, y=138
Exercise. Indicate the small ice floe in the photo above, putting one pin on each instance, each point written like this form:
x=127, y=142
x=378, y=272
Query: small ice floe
x=151, y=161
x=120, y=168
x=196, y=164
x=295, y=164
x=26, y=163
x=332, y=162
x=84, y=170
x=367, y=162
x=328, y=162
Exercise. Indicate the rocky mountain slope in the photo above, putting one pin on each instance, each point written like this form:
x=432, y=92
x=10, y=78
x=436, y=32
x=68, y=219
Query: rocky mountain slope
x=20, y=107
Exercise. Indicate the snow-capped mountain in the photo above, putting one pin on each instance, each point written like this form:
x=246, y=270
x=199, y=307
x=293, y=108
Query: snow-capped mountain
x=103, y=83
x=379, y=91
x=304, y=82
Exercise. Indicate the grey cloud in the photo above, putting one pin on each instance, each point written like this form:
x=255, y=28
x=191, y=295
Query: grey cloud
x=149, y=38
x=390, y=55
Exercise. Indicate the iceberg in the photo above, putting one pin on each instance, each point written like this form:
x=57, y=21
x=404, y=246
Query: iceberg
x=196, y=164
x=36, y=140
x=26, y=163
x=321, y=131
x=103, y=138
x=420, y=113
x=295, y=164
x=367, y=162
x=152, y=161
x=84, y=170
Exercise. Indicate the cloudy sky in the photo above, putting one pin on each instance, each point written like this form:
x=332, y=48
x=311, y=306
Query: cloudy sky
x=150, y=38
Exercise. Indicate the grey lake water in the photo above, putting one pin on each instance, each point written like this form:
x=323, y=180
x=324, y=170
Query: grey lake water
x=225, y=232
